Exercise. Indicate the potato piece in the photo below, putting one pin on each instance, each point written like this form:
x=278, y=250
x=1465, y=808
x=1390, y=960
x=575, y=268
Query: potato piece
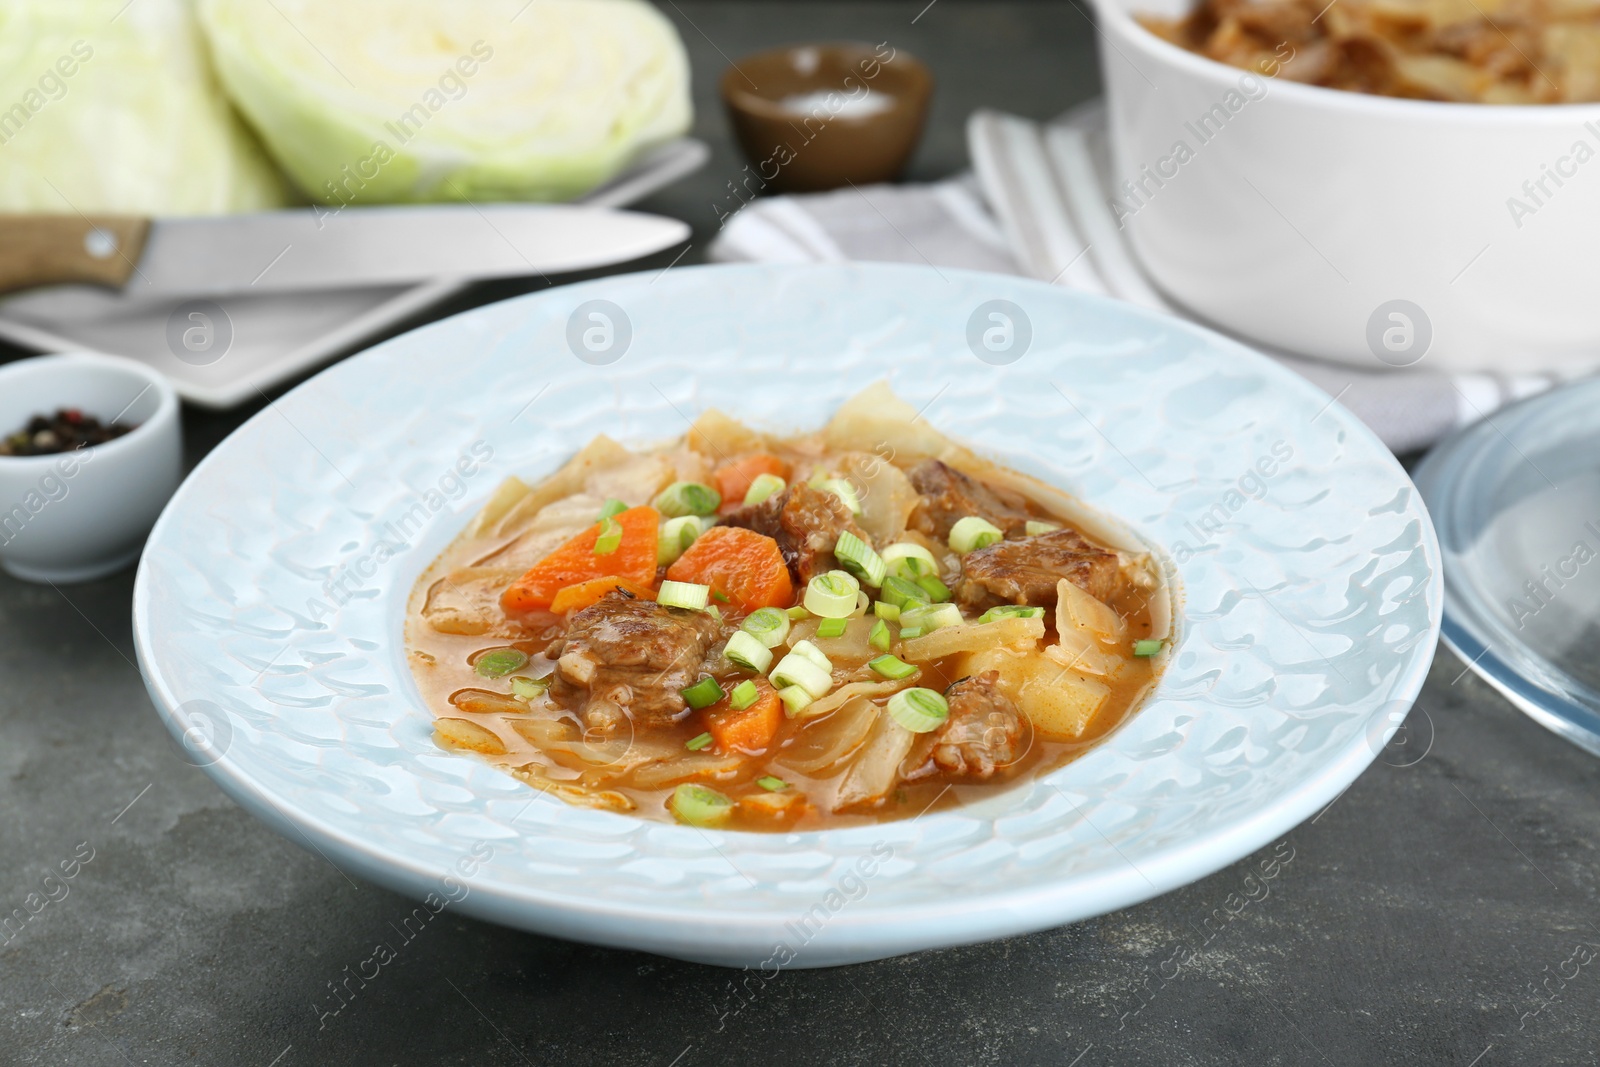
x=1058, y=702
x=877, y=769
x=1015, y=633
x=461, y=733
x=1061, y=703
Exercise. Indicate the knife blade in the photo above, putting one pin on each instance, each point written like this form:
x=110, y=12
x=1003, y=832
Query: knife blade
x=277, y=251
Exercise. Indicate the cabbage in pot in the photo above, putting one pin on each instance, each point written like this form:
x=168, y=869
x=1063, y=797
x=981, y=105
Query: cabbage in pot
x=119, y=115
x=415, y=100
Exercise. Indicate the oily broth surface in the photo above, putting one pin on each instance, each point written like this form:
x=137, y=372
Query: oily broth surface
x=441, y=665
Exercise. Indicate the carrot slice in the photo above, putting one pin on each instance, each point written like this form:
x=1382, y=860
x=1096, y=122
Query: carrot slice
x=580, y=596
x=742, y=565
x=749, y=730
x=576, y=562
x=733, y=479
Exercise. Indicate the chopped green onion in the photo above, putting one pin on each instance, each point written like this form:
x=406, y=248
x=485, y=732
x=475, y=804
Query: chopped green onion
x=900, y=591
x=795, y=699
x=972, y=533
x=1148, y=647
x=747, y=652
x=743, y=695
x=931, y=617
x=771, y=784
x=723, y=597
x=676, y=535
x=1034, y=528
x=919, y=710
x=610, y=538
x=857, y=557
x=683, y=595
x=797, y=612
x=715, y=612
x=813, y=653
x=863, y=602
x=770, y=626
x=892, y=667
x=879, y=637
x=831, y=627
x=695, y=744
x=844, y=491
x=1011, y=611
x=937, y=591
x=700, y=806
x=687, y=498
x=611, y=507
x=528, y=688
x=796, y=670
x=832, y=595
x=702, y=694
x=885, y=610
x=500, y=662
x=763, y=486
x=908, y=632
x=907, y=559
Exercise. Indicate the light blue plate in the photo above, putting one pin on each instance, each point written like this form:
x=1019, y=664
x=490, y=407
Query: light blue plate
x=269, y=602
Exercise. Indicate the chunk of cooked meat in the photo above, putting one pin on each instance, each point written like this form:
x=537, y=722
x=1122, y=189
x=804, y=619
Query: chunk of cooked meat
x=1026, y=571
x=948, y=495
x=806, y=523
x=626, y=658
x=984, y=731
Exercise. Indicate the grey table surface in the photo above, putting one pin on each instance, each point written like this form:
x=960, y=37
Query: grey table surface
x=1441, y=911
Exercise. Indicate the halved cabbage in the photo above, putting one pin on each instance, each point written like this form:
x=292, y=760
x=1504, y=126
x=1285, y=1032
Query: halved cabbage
x=381, y=101
x=120, y=115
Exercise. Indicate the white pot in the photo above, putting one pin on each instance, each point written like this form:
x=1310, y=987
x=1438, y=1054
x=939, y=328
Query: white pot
x=1302, y=214
x=84, y=514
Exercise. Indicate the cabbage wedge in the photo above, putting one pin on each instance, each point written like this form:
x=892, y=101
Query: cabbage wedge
x=120, y=115
x=393, y=101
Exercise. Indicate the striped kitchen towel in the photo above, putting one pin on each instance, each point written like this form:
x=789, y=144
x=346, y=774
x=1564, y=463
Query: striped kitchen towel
x=1035, y=204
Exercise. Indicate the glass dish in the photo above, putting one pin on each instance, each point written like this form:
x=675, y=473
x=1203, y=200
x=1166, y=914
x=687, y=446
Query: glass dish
x=1516, y=502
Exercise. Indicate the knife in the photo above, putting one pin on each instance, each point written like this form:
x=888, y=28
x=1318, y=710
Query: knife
x=310, y=249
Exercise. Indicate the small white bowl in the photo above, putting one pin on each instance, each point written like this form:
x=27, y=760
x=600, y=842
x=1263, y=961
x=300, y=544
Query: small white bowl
x=1304, y=215
x=81, y=515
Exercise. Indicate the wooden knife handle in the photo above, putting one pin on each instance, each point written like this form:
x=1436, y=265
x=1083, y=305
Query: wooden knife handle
x=54, y=249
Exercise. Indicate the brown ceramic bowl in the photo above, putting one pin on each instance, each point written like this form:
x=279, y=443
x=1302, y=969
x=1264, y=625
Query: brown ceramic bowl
x=818, y=116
